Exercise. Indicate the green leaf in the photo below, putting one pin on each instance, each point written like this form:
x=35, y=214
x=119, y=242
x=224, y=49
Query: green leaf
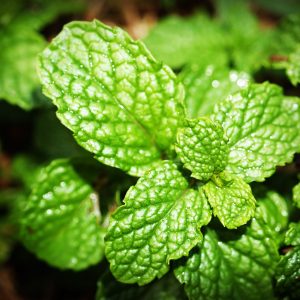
x=178, y=41
x=202, y=147
x=252, y=52
x=207, y=86
x=248, y=43
x=288, y=269
x=286, y=47
x=231, y=199
x=159, y=222
x=232, y=265
x=263, y=127
x=18, y=77
x=35, y=14
x=288, y=35
x=61, y=220
x=274, y=210
x=292, y=236
x=288, y=274
x=237, y=18
x=121, y=104
x=296, y=195
x=293, y=66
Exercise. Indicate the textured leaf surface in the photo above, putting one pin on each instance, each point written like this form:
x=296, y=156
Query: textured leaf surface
x=160, y=221
x=121, y=104
x=202, y=147
x=61, y=220
x=232, y=200
x=207, y=86
x=178, y=41
x=18, y=77
x=234, y=265
x=288, y=274
x=263, y=130
x=296, y=195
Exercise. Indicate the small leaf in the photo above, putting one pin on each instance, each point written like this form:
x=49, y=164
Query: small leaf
x=160, y=221
x=202, y=147
x=232, y=201
x=121, y=104
x=263, y=127
x=61, y=220
x=207, y=86
x=232, y=265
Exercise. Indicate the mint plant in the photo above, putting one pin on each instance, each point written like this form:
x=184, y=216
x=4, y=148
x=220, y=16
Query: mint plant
x=194, y=144
x=128, y=110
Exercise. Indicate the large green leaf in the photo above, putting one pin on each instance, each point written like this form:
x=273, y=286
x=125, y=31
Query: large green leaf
x=206, y=86
x=234, y=265
x=202, y=147
x=121, y=104
x=160, y=221
x=263, y=127
x=61, y=219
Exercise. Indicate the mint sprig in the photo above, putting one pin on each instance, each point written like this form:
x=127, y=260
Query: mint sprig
x=128, y=110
